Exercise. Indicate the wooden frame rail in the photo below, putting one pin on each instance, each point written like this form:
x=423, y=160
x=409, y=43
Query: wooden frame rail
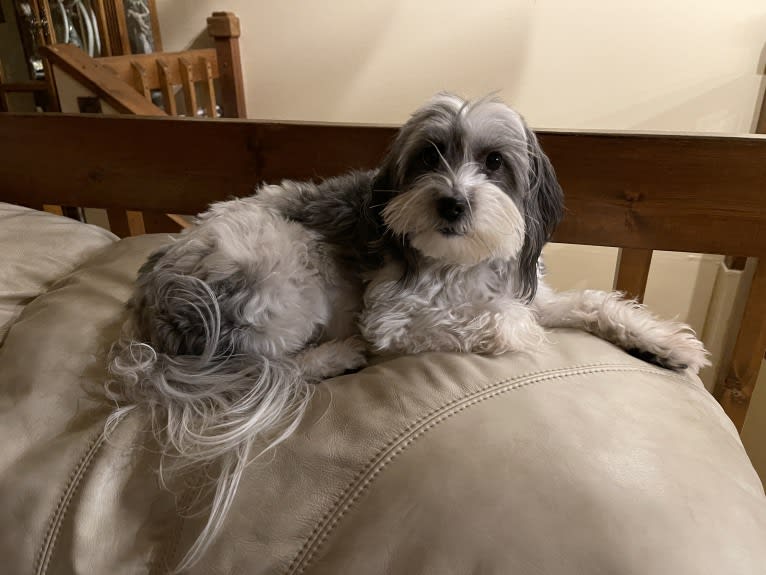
x=639, y=192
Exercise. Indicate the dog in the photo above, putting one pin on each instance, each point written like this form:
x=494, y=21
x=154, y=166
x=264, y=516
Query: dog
x=439, y=249
x=465, y=201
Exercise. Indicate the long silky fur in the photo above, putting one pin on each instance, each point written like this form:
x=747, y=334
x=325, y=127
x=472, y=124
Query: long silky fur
x=207, y=411
x=231, y=325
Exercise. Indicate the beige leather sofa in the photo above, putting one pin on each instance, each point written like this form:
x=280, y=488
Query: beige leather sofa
x=576, y=460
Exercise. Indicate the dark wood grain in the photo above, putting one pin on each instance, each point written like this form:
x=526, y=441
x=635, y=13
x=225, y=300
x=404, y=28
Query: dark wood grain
x=684, y=193
x=177, y=165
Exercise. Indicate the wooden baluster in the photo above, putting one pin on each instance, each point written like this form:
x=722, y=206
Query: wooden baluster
x=187, y=83
x=141, y=80
x=168, y=94
x=207, y=67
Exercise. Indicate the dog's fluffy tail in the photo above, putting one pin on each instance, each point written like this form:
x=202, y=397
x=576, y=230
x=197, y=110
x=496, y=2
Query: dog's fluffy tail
x=207, y=410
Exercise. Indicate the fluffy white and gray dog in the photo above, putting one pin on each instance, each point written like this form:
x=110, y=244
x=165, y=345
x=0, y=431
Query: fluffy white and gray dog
x=438, y=249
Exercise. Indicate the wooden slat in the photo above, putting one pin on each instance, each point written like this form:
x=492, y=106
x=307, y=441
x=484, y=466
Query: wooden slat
x=168, y=94
x=122, y=65
x=107, y=86
x=209, y=87
x=51, y=209
x=157, y=223
x=125, y=223
x=738, y=386
x=118, y=222
x=135, y=222
x=140, y=81
x=632, y=272
x=187, y=84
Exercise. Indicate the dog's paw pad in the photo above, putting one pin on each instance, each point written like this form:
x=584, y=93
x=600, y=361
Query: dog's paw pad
x=679, y=351
x=658, y=360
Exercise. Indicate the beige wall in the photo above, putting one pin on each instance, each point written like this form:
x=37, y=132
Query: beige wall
x=685, y=65
x=689, y=65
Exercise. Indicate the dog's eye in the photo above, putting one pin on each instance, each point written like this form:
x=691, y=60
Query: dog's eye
x=430, y=157
x=493, y=161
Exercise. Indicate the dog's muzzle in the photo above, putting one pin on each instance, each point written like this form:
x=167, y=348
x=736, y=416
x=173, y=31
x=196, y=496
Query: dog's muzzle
x=451, y=210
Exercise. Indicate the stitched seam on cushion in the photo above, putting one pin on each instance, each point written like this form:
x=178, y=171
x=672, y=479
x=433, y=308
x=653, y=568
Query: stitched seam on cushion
x=406, y=437
x=59, y=514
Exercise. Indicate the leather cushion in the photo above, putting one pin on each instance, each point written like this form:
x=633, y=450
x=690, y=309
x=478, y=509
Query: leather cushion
x=575, y=459
x=38, y=249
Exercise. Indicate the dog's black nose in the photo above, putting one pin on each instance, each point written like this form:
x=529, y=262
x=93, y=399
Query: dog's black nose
x=450, y=208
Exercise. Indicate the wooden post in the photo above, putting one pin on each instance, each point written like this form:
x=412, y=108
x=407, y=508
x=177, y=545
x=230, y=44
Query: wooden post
x=742, y=372
x=737, y=389
x=223, y=27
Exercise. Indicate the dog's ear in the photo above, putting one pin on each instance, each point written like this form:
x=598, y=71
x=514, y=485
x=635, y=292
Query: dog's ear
x=384, y=186
x=544, y=208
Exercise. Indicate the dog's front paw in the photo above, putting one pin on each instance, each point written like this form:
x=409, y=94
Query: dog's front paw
x=677, y=349
x=506, y=333
x=352, y=353
x=333, y=358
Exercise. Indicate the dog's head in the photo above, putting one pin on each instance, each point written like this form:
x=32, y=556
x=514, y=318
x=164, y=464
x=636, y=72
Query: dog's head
x=466, y=182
